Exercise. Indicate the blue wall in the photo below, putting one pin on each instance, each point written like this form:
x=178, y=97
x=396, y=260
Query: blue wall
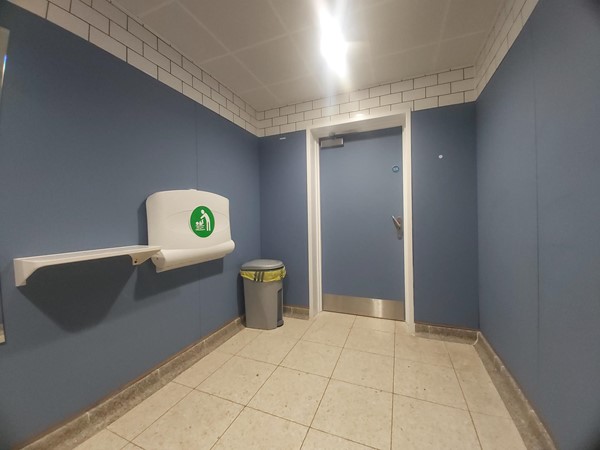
x=539, y=210
x=85, y=138
x=362, y=256
x=445, y=216
x=284, y=226
x=444, y=205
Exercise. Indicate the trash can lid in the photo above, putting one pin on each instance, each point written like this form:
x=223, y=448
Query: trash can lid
x=262, y=264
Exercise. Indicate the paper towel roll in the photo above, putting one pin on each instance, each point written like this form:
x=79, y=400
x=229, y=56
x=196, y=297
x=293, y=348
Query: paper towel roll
x=168, y=259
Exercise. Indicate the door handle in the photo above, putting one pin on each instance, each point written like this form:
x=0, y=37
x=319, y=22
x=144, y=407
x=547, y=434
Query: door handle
x=399, y=226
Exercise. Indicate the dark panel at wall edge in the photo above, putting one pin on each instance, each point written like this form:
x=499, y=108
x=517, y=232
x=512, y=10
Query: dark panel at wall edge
x=432, y=128
x=273, y=243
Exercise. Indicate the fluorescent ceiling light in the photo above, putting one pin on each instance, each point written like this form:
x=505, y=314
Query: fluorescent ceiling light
x=333, y=45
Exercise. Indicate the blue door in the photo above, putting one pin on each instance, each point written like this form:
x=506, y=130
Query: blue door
x=362, y=253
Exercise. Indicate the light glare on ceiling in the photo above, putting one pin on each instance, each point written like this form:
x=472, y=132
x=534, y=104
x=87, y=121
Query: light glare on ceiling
x=333, y=45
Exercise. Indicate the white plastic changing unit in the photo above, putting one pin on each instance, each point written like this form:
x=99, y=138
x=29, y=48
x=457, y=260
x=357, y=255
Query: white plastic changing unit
x=189, y=226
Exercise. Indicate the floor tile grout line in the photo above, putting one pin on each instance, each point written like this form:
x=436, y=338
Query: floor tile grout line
x=220, y=365
x=341, y=437
x=258, y=390
x=435, y=365
x=254, y=408
x=363, y=385
x=298, y=339
x=221, y=398
x=274, y=370
x=431, y=402
x=157, y=419
x=258, y=333
x=244, y=406
x=256, y=360
x=328, y=383
x=229, y=426
x=465, y=398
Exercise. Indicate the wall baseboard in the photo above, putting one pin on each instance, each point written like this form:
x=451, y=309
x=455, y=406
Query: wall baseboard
x=297, y=312
x=532, y=430
x=452, y=334
x=78, y=429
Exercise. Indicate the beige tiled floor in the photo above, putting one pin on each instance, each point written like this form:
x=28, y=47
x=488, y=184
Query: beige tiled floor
x=334, y=382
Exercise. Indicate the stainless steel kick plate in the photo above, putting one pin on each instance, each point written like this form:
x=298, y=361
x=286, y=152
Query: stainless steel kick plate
x=361, y=306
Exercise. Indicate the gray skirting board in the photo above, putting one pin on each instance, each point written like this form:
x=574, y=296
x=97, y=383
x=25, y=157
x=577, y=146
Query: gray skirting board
x=75, y=431
x=532, y=430
x=297, y=312
x=460, y=335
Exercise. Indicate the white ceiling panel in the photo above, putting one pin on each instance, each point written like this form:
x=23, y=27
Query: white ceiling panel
x=237, y=23
x=307, y=43
x=410, y=63
x=294, y=91
x=469, y=16
x=262, y=98
x=360, y=75
x=232, y=73
x=176, y=25
x=274, y=61
x=458, y=52
x=295, y=15
x=139, y=7
x=404, y=24
x=267, y=51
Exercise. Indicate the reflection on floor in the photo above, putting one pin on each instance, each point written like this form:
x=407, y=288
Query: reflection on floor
x=2, y=338
x=337, y=381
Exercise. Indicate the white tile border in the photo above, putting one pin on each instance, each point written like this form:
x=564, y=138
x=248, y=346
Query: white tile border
x=107, y=26
x=430, y=91
x=113, y=29
x=509, y=22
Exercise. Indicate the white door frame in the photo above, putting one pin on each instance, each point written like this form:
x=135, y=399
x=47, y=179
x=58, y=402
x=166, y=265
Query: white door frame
x=355, y=125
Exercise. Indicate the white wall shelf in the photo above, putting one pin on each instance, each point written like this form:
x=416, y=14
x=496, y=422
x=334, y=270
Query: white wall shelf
x=24, y=267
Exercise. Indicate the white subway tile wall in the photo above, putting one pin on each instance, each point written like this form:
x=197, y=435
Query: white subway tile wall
x=104, y=41
x=508, y=24
x=446, y=88
x=112, y=29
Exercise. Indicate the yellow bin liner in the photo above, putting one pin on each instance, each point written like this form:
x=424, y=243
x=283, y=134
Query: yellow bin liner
x=264, y=276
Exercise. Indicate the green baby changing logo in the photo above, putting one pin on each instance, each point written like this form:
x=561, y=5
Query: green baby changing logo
x=202, y=221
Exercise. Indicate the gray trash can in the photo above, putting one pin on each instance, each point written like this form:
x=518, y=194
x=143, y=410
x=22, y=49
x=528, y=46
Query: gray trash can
x=263, y=293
